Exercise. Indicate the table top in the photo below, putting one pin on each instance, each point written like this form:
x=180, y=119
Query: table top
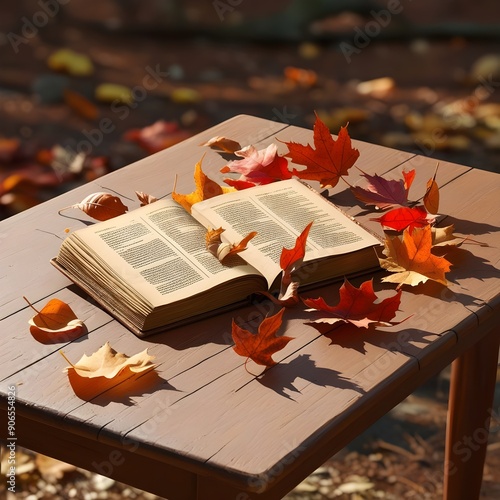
x=204, y=413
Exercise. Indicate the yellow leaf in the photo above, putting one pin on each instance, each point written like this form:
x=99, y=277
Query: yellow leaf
x=205, y=188
x=71, y=62
x=110, y=92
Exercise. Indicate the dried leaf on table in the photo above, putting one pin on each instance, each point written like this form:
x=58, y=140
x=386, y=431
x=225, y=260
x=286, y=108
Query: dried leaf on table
x=145, y=199
x=56, y=321
x=222, y=143
x=385, y=193
x=409, y=257
x=431, y=197
x=358, y=306
x=257, y=167
x=261, y=346
x=109, y=371
x=330, y=158
x=405, y=217
x=100, y=206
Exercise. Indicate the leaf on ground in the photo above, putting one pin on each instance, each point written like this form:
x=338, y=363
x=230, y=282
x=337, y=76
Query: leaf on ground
x=71, y=62
x=206, y=188
x=257, y=167
x=100, y=206
x=357, y=306
x=410, y=259
x=111, y=92
x=431, y=196
x=404, y=217
x=56, y=320
x=221, y=249
x=145, y=199
x=221, y=143
x=158, y=136
x=384, y=193
x=261, y=346
x=330, y=158
x=80, y=104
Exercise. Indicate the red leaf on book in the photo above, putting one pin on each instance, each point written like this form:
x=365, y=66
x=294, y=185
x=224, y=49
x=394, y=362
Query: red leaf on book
x=328, y=160
x=261, y=346
x=257, y=167
x=357, y=306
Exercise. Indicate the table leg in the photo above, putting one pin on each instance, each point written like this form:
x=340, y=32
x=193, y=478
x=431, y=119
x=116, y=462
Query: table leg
x=473, y=378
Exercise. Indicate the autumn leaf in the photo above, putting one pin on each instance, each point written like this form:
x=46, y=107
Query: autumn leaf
x=404, y=217
x=106, y=369
x=158, y=136
x=357, y=306
x=328, y=160
x=71, y=62
x=145, y=199
x=221, y=249
x=431, y=196
x=257, y=167
x=9, y=148
x=56, y=321
x=80, y=104
x=222, y=143
x=100, y=206
x=205, y=188
x=410, y=259
x=261, y=346
x=384, y=193
x=111, y=92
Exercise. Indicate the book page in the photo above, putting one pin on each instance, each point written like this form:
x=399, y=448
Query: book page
x=279, y=212
x=158, y=250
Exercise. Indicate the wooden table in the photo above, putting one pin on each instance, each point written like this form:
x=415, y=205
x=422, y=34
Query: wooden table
x=205, y=428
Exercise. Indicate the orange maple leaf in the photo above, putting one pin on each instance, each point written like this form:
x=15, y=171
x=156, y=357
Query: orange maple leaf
x=357, y=306
x=205, y=188
x=261, y=346
x=410, y=259
x=56, y=321
x=330, y=159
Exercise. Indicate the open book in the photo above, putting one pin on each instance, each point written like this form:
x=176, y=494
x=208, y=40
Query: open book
x=150, y=269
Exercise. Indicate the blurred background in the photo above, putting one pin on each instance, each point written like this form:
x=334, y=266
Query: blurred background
x=88, y=87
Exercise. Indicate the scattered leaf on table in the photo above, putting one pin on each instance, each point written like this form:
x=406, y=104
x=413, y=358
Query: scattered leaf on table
x=357, y=306
x=384, y=193
x=221, y=249
x=205, y=188
x=222, y=143
x=328, y=160
x=71, y=62
x=145, y=199
x=100, y=206
x=431, y=197
x=80, y=104
x=56, y=320
x=112, y=92
x=158, y=136
x=404, y=217
x=110, y=372
x=410, y=259
x=261, y=346
x=257, y=167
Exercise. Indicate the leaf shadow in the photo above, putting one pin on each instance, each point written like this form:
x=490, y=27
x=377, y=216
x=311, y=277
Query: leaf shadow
x=280, y=377
x=121, y=389
x=465, y=226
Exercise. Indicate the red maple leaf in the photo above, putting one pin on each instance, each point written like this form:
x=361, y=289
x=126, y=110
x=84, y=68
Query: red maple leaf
x=257, y=167
x=404, y=217
x=385, y=193
x=261, y=346
x=328, y=160
x=358, y=306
